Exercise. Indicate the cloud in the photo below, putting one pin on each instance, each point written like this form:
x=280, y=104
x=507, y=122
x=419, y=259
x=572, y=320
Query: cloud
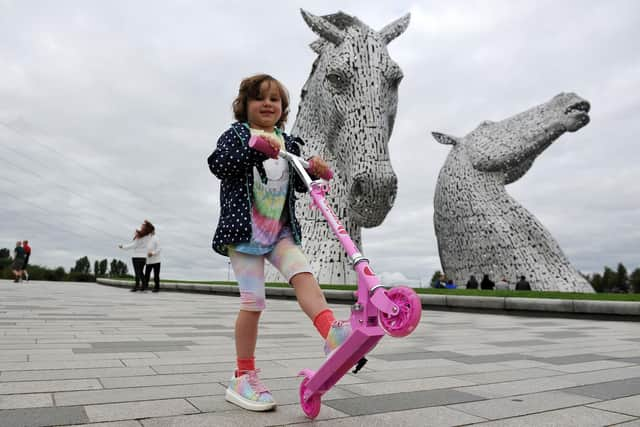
x=112, y=108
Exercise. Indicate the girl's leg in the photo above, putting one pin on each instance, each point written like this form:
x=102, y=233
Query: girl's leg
x=156, y=277
x=309, y=295
x=245, y=388
x=147, y=276
x=289, y=259
x=249, y=272
x=138, y=268
x=246, y=334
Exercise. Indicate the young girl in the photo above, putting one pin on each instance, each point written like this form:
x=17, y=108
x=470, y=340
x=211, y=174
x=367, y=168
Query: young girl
x=139, y=258
x=258, y=222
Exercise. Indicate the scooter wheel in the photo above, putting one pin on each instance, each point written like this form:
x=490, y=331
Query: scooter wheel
x=311, y=407
x=407, y=319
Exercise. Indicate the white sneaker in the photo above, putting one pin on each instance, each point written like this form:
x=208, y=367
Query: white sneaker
x=248, y=392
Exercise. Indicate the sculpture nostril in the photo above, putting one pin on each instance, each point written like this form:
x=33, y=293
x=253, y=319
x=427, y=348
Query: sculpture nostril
x=391, y=199
x=357, y=191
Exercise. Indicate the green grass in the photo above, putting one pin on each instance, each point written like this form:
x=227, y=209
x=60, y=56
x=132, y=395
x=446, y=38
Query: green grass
x=461, y=292
x=532, y=294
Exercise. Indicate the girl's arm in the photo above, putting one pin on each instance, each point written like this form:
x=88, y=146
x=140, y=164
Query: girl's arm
x=128, y=245
x=233, y=157
x=298, y=183
x=154, y=247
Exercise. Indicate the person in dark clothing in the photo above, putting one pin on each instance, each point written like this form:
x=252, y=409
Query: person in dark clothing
x=27, y=254
x=486, y=283
x=139, y=245
x=523, y=285
x=472, y=283
x=18, y=261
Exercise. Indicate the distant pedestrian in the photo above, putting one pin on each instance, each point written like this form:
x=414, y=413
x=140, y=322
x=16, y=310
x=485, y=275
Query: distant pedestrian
x=18, y=261
x=523, y=285
x=502, y=285
x=27, y=254
x=472, y=283
x=486, y=283
x=153, y=260
x=139, y=245
x=450, y=285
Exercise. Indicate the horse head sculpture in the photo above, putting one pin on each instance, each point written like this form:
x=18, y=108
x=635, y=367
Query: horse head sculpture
x=346, y=115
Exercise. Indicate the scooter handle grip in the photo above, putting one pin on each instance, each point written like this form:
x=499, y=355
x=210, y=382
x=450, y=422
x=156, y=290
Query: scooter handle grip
x=258, y=143
x=327, y=175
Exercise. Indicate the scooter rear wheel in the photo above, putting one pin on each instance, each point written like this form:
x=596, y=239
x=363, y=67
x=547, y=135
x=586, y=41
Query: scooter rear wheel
x=311, y=407
x=403, y=323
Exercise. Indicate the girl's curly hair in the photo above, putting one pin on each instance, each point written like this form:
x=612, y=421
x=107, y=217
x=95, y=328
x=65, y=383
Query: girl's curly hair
x=147, y=228
x=250, y=89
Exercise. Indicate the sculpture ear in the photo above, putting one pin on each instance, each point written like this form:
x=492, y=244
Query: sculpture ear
x=323, y=28
x=445, y=139
x=396, y=28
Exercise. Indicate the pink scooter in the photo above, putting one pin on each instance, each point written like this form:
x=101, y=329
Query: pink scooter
x=378, y=310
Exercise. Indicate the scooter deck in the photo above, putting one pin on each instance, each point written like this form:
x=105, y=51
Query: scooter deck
x=359, y=343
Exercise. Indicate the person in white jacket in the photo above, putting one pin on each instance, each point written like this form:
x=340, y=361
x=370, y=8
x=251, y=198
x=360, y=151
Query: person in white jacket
x=139, y=246
x=153, y=261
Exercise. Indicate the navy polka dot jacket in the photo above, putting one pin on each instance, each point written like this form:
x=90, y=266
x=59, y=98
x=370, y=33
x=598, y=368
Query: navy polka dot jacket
x=232, y=162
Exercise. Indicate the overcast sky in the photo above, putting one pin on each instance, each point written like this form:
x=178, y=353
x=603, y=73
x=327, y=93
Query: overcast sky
x=109, y=109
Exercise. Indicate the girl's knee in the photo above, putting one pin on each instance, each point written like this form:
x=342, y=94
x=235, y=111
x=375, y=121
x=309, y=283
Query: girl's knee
x=304, y=278
x=249, y=301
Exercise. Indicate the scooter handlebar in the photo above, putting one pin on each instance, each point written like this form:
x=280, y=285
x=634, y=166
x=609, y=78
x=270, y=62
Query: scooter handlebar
x=327, y=175
x=261, y=144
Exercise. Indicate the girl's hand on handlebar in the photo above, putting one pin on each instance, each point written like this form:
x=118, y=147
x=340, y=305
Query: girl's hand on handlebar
x=274, y=143
x=319, y=166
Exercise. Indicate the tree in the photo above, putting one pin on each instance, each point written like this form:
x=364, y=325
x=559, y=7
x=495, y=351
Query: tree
x=117, y=268
x=5, y=253
x=82, y=266
x=96, y=268
x=608, y=279
x=596, y=282
x=103, y=267
x=622, y=278
x=122, y=268
x=634, y=280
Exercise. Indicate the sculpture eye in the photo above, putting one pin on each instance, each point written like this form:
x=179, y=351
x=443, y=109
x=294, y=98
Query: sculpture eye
x=336, y=79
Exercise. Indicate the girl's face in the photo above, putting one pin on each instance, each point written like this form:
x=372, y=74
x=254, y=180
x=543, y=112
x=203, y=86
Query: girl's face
x=263, y=113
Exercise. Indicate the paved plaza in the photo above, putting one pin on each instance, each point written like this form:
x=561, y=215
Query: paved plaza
x=87, y=354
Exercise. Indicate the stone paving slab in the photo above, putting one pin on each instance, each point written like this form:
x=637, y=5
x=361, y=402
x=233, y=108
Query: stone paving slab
x=572, y=417
x=626, y=405
x=85, y=354
x=508, y=407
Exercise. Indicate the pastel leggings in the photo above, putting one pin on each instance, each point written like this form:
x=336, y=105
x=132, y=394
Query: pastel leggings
x=286, y=257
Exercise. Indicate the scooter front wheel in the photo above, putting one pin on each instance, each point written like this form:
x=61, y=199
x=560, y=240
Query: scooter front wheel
x=407, y=319
x=310, y=407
